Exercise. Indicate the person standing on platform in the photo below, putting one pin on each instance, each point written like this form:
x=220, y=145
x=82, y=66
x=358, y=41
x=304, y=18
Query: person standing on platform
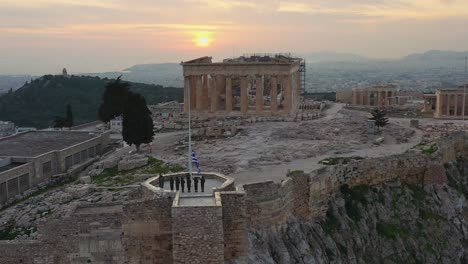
x=182, y=183
x=202, y=182
x=171, y=183
x=195, y=183
x=177, y=183
x=161, y=181
x=189, y=182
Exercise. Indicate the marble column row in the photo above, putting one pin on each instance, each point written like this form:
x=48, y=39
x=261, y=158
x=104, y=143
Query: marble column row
x=206, y=91
x=380, y=98
x=451, y=105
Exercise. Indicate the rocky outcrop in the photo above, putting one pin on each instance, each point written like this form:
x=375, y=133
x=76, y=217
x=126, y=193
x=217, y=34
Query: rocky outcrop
x=389, y=223
x=132, y=162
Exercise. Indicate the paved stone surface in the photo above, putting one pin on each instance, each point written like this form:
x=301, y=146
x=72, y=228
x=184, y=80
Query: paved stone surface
x=197, y=201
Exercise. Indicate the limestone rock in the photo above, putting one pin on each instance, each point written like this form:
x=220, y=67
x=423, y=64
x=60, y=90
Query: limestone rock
x=85, y=179
x=132, y=162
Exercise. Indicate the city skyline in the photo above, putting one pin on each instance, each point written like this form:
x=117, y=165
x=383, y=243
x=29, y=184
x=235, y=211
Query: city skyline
x=42, y=36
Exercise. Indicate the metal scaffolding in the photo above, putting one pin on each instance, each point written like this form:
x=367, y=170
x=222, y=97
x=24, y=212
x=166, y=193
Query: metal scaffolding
x=302, y=70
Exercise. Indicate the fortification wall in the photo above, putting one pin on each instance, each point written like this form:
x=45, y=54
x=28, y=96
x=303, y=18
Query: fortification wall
x=234, y=226
x=147, y=229
x=268, y=204
x=199, y=236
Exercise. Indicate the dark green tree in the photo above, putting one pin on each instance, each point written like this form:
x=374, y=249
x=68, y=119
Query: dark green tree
x=69, y=116
x=113, y=100
x=137, y=122
x=380, y=117
x=66, y=121
x=59, y=122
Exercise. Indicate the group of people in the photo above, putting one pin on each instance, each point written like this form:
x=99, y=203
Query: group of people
x=180, y=183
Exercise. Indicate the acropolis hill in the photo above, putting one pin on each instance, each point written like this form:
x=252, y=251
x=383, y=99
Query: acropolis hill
x=286, y=179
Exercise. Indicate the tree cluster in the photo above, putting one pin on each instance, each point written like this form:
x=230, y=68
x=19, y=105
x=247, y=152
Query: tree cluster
x=118, y=100
x=66, y=121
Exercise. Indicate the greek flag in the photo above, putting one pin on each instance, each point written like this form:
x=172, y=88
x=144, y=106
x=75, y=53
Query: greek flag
x=195, y=161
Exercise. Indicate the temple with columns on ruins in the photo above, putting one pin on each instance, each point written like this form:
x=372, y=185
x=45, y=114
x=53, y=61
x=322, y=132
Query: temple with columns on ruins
x=248, y=85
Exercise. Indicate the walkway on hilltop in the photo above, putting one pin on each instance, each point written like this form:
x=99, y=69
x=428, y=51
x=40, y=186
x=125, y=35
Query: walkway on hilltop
x=278, y=172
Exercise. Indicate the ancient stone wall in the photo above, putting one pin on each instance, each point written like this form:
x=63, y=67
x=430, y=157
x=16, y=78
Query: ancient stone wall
x=199, y=235
x=234, y=226
x=269, y=204
x=147, y=229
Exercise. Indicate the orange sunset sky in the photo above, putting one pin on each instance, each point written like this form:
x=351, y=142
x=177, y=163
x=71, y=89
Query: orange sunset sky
x=42, y=36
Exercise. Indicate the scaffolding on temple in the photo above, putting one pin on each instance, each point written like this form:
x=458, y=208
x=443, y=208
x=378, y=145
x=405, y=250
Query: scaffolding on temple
x=302, y=71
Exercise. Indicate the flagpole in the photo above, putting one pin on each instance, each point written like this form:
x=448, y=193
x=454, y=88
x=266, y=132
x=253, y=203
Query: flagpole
x=190, y=133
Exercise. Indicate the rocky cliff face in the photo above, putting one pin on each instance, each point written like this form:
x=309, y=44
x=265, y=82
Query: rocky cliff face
x=391, y=223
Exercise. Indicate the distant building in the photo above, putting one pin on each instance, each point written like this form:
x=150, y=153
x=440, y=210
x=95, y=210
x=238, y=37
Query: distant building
x=451, y=104
x=344, y=96
x=166, y=110
x=32, y=158
x=374, y=96
x=116, y=125
x=7, y=128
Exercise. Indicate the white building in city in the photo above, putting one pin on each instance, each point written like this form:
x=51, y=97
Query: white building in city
x=116, y=125
x=7, y=128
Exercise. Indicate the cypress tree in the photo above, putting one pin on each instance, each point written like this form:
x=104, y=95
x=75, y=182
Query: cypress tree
x=69, y=116
x=137, y=122
x=113, y=100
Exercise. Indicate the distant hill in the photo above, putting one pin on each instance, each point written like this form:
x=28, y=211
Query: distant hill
x=36, y=103
x=166, y=74
x=14, y=82
x=326, y=56
x=332, y=71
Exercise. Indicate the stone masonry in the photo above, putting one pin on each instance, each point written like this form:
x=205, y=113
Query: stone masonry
x=155, y=226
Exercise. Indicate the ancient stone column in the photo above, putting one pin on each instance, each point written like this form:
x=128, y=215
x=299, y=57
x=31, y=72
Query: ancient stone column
x=455, y=112
x=186, y=93
x=287, y=93
x=206, y=92
x=228, y=94
x=244, y=96
x=193, y=92
x=448, y=105
x=259, y=94
x=362, y=97
x=199, y=88
x=215, y=92
x=273, y=94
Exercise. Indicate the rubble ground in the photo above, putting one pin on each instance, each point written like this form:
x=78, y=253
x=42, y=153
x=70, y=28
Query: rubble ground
x=273, y=143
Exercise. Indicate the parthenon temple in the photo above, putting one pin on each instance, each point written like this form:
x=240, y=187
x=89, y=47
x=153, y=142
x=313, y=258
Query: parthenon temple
x=258, y=85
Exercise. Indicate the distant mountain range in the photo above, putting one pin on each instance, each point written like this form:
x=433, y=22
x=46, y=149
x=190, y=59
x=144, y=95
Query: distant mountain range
x=38, y=102
x=326, y=71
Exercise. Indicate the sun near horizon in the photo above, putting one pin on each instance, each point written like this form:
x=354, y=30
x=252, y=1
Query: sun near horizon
x=203, y=39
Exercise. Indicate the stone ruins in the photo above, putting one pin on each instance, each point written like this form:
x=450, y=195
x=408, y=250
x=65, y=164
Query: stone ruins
x=259, y=85
x=156, y=225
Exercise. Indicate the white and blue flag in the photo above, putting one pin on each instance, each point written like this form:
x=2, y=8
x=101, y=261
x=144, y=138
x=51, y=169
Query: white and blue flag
x=195, y=161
